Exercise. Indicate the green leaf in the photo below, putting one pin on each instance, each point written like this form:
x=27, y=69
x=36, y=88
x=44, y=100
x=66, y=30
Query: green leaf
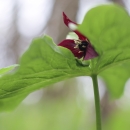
x=7, y=69
x=108, y=29
x=43, y=64
x=109, y=33
x=115, y=78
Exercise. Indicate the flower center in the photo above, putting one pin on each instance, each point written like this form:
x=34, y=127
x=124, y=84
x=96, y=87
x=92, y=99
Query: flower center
x=82, y=45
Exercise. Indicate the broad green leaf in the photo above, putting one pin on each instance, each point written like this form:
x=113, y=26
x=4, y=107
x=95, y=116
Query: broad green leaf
x=115, y=78
x=108, y=29
x=43, y=64
x=107, y=26
x=7, y=69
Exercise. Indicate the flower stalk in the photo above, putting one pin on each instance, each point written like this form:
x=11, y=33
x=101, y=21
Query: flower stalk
x=97, y=102
x=82, y=48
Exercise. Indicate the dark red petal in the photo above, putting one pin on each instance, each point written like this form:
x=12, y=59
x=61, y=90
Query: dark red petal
x=90, y=53
x=69, y=44
x=67, y=21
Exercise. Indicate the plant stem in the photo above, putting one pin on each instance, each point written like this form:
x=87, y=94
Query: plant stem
x=97, y=102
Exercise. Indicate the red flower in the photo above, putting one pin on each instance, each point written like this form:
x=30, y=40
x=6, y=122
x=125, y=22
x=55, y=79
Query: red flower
x=81, y=47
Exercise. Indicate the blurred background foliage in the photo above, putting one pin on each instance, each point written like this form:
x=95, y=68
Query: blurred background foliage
x=68, y=105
